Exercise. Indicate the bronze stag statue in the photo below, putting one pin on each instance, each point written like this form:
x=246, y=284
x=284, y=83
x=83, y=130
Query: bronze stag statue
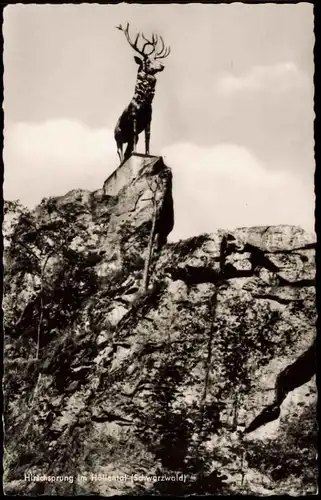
x=137, y=116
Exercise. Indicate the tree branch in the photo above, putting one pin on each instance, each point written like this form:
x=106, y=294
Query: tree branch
x=41, y=303
x=150, y=240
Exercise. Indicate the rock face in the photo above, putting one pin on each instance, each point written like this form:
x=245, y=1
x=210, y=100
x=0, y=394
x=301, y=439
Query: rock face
x=134, y=388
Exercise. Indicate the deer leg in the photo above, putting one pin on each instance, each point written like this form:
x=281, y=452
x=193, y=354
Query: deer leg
x=129, y=149
x=147, y=138
x=135, y=137
x=135, y=141
x=120, y=151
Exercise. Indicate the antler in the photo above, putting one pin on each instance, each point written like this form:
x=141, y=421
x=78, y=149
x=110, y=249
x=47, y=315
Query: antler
x=134, y=44
x=153, y=43
x=164, y=52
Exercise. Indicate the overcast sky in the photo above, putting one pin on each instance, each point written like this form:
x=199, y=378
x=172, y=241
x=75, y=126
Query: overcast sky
x=232, y=114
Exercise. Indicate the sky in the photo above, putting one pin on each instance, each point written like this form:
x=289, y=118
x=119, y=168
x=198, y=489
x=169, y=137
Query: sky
x=232, y=114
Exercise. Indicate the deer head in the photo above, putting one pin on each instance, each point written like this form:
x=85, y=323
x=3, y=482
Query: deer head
x=148, y=58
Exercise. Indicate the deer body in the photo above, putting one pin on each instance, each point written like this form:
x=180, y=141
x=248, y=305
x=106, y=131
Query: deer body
x=137, y=116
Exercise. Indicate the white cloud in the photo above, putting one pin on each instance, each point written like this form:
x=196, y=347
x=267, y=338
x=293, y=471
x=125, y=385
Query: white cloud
x=276, y=77
x=53, y=157
x=226, y=186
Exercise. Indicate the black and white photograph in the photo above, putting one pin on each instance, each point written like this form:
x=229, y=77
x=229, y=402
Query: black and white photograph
x=159, y=250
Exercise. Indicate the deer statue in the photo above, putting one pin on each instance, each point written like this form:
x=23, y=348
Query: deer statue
x=137, y=116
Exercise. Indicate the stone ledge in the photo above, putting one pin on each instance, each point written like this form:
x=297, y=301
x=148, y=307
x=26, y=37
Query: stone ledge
x=127, y=171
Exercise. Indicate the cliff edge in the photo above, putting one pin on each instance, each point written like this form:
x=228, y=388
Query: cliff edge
x=199, y=382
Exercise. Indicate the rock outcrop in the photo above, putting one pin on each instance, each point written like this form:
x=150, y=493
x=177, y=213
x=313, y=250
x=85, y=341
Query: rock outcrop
x=120, y=390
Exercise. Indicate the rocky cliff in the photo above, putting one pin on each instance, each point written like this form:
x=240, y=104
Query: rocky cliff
x=137, y=366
